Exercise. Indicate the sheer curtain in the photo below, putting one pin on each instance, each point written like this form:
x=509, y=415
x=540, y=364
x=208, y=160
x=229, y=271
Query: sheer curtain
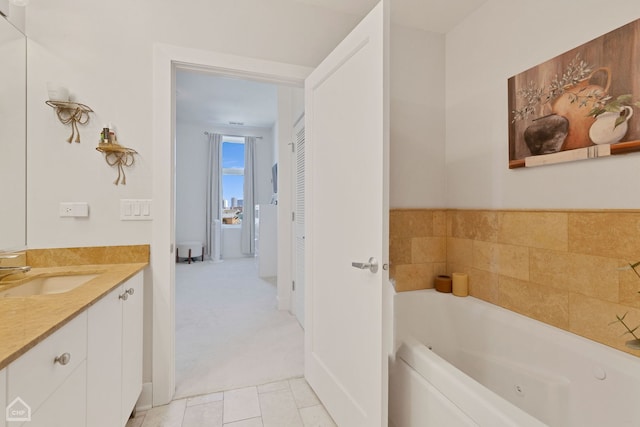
x=214, y=189
x=248, y=231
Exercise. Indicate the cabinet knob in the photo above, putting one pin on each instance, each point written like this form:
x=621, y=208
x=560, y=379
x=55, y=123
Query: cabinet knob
x=63, y=359
x=124, y=296
x=129, y=291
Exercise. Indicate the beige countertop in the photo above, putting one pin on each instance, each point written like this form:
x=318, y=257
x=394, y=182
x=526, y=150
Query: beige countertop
x=25, y=321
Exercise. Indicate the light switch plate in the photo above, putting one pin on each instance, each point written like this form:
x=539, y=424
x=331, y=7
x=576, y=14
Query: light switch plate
x=135, y=210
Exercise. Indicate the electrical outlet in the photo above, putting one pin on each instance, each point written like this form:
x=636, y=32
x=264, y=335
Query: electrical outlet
x=65, y=209
x=74, y=209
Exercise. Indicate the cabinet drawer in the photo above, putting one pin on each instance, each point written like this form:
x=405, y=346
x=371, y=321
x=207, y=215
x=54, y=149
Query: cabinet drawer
x=67, y=407
x=35, y=375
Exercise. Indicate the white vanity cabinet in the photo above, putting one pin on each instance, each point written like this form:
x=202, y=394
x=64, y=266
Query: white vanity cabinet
x=49, y=380
x=114, y=359
x=66, y=406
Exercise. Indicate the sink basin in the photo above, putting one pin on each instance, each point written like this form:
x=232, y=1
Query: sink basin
x=48, y=285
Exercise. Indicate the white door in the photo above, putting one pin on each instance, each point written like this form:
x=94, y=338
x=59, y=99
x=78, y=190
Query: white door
x=298, y=220
x=346, y=109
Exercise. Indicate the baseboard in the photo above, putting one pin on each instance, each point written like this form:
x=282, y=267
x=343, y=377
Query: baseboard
x=145, y=401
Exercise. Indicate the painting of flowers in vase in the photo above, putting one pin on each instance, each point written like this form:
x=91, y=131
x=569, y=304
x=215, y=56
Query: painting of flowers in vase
x=582, y=104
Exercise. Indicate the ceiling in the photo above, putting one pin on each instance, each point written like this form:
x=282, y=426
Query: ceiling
x=438, y=16
x=205, y=98
x=216, y=100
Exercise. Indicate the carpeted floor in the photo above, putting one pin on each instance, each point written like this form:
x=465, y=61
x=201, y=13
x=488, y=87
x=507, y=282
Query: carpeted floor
x=229, y=332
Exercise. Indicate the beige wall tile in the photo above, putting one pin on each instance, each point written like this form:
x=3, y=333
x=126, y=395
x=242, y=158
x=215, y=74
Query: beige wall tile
x=413, y=277
x=592, y=318
x=612, y=234
x=539, y=302
x=439, y=223
x=629, y=286
x=477, y=225
x=428, y=249
x=459, y=251
x=410, y=223
x=458, y=268
x=439, y=268
x=507, y=260
x=483, y=285
x=584, y=274
x=400, y=250
x=546, y=230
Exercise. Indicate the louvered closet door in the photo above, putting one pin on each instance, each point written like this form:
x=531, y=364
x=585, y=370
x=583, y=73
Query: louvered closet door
x=298, y=293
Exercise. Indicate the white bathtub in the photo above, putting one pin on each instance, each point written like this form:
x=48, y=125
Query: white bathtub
x=464, y=362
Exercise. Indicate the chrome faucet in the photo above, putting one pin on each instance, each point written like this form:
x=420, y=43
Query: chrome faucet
x=7, y=271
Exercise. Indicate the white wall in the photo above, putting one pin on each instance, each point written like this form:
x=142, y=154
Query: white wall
x=191, y=173
x=111, y=71
x=15, y=14
x=501, y=39
x=417, y=119
x=264, y=161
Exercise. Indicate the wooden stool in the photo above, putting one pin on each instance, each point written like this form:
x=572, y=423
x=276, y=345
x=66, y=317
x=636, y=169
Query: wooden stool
x=192, y=249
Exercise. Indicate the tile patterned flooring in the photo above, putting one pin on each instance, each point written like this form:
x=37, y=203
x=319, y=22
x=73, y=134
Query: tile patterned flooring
x=288, y=403
x=214, y=296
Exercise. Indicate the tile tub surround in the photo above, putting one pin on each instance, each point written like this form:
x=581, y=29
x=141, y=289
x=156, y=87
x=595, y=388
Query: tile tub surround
x=417, y=247
x=25, y=321
x=558, y=267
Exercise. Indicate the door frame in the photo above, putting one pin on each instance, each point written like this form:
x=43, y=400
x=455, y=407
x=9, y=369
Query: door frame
x=166, y=59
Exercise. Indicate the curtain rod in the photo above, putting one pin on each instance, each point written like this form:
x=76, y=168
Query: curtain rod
x=235, y=136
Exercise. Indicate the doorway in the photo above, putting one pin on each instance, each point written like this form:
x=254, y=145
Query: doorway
x=167, y=59
x=370, y=38
x=229, y=332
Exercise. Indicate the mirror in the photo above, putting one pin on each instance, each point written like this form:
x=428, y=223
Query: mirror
x=13, y=133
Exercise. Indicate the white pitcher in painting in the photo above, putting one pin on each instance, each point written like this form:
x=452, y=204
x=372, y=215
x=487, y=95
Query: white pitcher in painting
x=604, y=129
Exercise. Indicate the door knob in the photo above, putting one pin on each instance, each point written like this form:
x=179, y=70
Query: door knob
x=372, y=265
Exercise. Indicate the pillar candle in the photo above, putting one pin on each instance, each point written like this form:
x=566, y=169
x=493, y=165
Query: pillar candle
x=460, y=284
x=442, y=283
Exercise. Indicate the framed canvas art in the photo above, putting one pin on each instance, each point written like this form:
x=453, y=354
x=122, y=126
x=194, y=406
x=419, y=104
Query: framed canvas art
x=582, y=104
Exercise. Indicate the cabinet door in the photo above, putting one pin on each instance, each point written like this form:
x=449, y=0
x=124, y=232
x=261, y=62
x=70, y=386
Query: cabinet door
x=132, y=309
x=34, y=376
x=65, y=407
x=104, y=361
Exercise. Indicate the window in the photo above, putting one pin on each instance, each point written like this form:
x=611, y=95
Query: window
x=232, y=180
